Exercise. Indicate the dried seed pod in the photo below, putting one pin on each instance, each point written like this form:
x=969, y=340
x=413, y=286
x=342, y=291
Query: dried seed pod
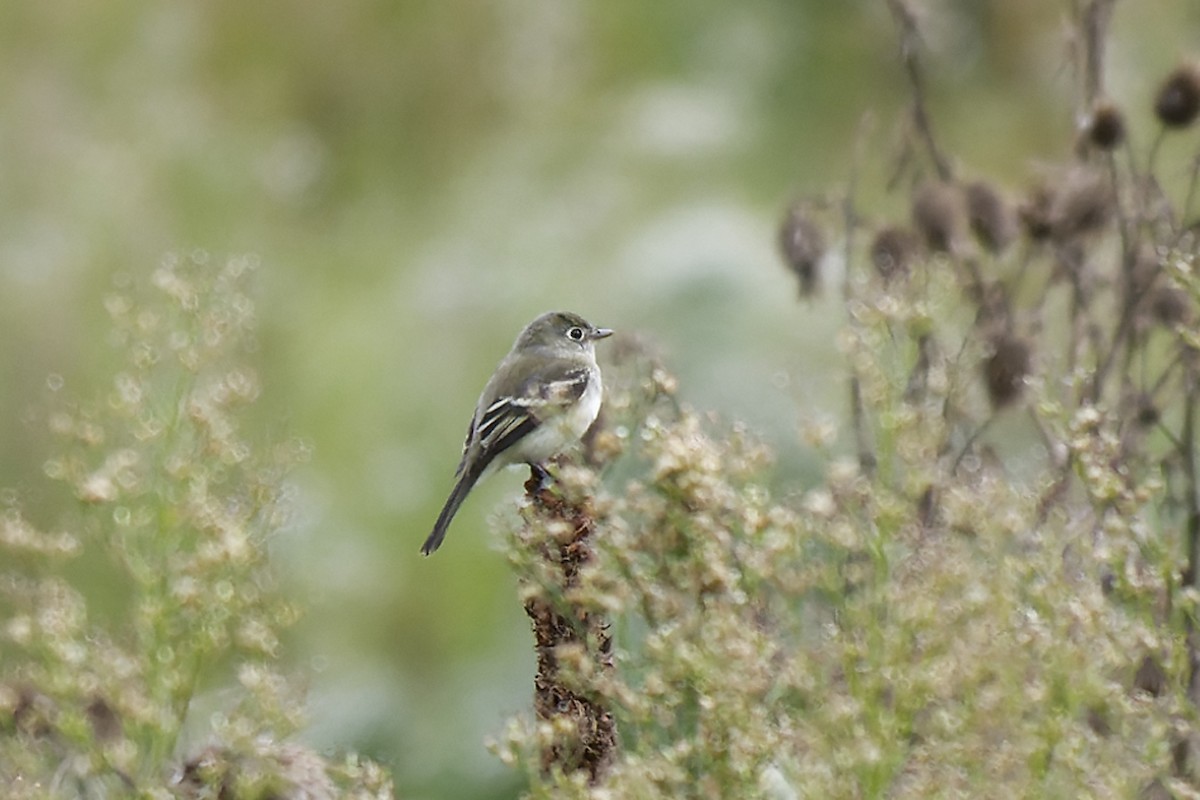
x=1170, y=306
x=937, y=212
x=1097, y=720
x=927, y=507
x=34, y=713
x=1178, y=100
x=803, y=246
x=1084, y=204
x=1034, y=213
x=1150, y=677
x=105, y=722
x=990, y=217
x=1145, y=411
x=1005, y=369
x=893, y=251
x=1105, y=126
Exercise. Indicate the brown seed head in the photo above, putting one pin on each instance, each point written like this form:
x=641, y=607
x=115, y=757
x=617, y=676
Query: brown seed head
x=1097, y=720
x=1178, y=101
x=893, y=250
x=1005, y=369
x=1083, y=204
x=990, y=216
x=1034, y=213
x=1150, y=677
x=803, y=246
x=34, y=713
x=1170, y=306
x=106, y=724
x=1146, y=412
x=937, y=212
x=1105, y=127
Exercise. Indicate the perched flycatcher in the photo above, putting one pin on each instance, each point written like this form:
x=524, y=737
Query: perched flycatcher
x=542, y=398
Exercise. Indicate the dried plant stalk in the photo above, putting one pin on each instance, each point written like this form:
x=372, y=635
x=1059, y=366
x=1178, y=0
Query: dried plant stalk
x=585, y=734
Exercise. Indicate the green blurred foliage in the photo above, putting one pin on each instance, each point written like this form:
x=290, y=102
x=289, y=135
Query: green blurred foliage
x=418, y=180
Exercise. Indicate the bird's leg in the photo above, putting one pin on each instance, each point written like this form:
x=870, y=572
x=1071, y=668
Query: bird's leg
x=537, y=488
x=539, y=476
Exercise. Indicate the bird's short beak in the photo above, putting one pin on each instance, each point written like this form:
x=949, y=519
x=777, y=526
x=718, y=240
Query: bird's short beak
x=601, y=333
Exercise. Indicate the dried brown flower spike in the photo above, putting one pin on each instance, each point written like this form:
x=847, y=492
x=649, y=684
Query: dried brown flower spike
x=1178, y=101
x=803, y=246
x=1005, y=369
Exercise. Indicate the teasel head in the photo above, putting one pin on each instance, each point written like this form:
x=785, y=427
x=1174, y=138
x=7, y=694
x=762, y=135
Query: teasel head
x=1170, y=306
x=1104, y=128
x=802, y=245
x=1145, y=411
x=1177, y=103
x=990, y=216
x=1034, y=213
x=1083, y=204
x=893, y=251
x=937, y=212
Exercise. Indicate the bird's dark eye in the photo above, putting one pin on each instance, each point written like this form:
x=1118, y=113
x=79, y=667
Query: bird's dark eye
x=576, y=334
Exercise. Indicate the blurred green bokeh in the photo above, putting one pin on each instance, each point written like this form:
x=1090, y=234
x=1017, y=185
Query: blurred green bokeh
x=419, y=179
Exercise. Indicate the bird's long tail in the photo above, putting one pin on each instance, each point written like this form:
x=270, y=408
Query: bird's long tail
x=459, y=493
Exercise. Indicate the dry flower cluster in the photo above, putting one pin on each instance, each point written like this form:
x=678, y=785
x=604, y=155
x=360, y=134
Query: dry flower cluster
x=175, y=505
x=996, y=594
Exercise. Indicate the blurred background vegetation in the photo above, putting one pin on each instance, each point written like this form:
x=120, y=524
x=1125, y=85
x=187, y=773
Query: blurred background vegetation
x=418, y=180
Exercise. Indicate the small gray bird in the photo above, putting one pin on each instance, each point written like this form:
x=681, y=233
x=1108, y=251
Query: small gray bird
x=541, y=399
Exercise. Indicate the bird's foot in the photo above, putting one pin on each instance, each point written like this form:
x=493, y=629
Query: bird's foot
x=539, y=478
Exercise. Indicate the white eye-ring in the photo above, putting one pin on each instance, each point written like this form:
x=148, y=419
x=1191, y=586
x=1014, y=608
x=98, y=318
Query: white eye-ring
x=576, y=334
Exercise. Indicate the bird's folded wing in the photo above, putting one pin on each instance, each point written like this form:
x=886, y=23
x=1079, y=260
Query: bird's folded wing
x=516, y=413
